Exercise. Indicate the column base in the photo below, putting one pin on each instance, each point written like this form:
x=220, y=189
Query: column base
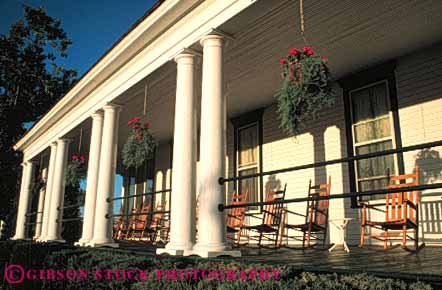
x=172, y=252
x=98, y=244
x=212, y=251
x=82, y=243
x=204, y=253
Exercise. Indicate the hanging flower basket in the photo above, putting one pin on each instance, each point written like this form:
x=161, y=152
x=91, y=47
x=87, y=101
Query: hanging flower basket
x=76, y=171
x=306, y=88
x=37, y=184
x=140, y=144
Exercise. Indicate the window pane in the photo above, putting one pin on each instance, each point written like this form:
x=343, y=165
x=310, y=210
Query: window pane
x=372, y=130
x=369, y=103
x=381, y=167
x=250, y=185
x=376, y=166
x=248, y=145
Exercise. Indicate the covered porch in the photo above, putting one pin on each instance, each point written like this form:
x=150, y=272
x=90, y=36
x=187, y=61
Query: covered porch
x=203, y=97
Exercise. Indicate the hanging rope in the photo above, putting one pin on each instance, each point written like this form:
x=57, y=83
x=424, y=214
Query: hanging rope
x=145, y=100
x=301, y=16
x=80, y=141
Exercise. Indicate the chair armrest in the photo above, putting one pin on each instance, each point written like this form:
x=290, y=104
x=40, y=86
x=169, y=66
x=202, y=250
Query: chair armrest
x=366, y=205
x=411, y=204
x=292, y=212
x=253, y=215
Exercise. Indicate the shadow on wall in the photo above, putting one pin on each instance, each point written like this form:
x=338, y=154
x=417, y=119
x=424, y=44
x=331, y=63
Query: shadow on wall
x=430, y=165
x=430, y=171
x=272, y=184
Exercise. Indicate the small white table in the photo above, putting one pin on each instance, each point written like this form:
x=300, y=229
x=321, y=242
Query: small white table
x=340, y=224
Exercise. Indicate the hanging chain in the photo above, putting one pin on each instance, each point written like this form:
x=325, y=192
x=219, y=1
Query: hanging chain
x=80, y=141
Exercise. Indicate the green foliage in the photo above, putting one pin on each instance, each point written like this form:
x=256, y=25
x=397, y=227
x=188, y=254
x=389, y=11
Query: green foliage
x=32, y=79
x=140, y=145
x=37, y=184
x=306, y=89
x=76, y=171
x=63, y=257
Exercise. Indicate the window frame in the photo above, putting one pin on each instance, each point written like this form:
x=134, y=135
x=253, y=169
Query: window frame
x=243, y=121
x=382, y=72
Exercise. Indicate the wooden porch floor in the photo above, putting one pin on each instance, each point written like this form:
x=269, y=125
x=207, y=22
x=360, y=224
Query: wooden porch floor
x=425, y=265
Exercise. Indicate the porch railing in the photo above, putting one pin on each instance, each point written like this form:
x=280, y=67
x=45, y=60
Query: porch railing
x=348, y=160
x=150, y=212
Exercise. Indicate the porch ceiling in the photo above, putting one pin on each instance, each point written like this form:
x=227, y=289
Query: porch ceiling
x=353, y=34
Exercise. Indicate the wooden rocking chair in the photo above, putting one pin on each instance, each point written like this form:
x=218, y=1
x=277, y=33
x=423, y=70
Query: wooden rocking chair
x=401, y=214
x=118, y=226
x=316, y=218
x=125, y=230
x=235, y=217
x=159, y=225
x=140, y=222
x=271, y=221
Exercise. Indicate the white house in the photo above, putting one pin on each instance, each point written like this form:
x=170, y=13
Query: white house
x=207, y=72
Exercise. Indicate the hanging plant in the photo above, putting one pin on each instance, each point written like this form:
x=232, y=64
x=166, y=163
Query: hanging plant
x=306, y=88
x=76, y=170
x=140, y=144
x=37, y=184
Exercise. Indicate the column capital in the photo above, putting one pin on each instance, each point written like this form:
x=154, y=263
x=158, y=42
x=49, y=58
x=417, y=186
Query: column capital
x=97, y=114
x=53, y=144
x=112, y=107
x=213, y=39
x=64, y=140
x=185, y=57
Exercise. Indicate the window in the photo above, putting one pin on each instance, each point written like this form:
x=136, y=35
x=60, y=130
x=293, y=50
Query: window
x=248, y=151
x=373, y=131
x=372, y=125
x=248, y=161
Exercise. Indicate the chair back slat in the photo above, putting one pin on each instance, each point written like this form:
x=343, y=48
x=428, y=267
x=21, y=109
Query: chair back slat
x=396, y=209
x=235, y=216
x=158, y=216
x=317, y=211
x=272, y=213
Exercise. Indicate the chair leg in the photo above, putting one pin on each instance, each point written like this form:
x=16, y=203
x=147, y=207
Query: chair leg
x=362, y=241
x=303, y=240
x=404, y=236
x=416, y=238
x=385, y=239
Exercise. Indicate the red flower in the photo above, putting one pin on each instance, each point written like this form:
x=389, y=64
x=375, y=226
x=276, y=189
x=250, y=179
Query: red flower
x=82, y=158
x=136, y=126
x=136, y=119
x=325, y=59
x=129, y=122
x=282, y=61
x=306, y=48
x=74, y=157
x=293, y=51
x=146, y=125
x=310, y=52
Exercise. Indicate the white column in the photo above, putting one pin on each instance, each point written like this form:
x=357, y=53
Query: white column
x=40, y=208
x=23, y=204
x=106, y=179
x=57, y=192
x=47, y=203
x=211, y=227
x=182, y=227
x=92, y=179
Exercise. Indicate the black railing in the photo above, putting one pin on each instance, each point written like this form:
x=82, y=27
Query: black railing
x=223, y=180
x=149, y=213
x=33, y=213
x=139, y=194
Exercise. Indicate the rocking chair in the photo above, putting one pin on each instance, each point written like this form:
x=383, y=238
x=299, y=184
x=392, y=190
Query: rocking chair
x=140, y=223
x=401, y=214
x=236, y=217
x=159, y=225
x=271, y=221
x=316, y=218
